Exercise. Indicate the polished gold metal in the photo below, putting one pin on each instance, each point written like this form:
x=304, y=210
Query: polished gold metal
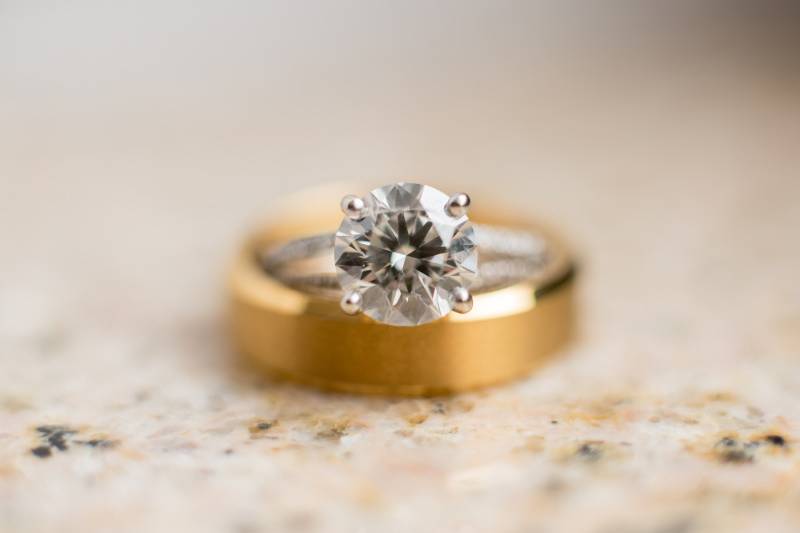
x=306, y=338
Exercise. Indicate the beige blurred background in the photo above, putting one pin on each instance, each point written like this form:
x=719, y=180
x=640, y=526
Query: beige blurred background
x=140, y=140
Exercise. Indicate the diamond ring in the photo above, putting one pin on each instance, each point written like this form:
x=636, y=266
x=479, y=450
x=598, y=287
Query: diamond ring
x=416, y=292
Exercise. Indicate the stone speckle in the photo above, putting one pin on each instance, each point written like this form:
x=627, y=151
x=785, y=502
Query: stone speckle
x=97, y=443
x=731, y=450
x=42, y=451
x=776, y=440
x=60, y=438
x=590, y=451
x=55, y=436
x=735, y=448
x=260, y=428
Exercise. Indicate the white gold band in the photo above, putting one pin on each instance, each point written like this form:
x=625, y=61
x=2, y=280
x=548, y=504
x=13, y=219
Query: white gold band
x=507, y=256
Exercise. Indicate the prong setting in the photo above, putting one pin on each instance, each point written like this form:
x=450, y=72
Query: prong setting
x=462, y=300
x=458, y=205
x=405, y=255
x=351, y=303
x=353, y=207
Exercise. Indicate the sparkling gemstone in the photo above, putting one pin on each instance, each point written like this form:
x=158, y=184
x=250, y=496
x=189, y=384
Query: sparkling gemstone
x=406, y=255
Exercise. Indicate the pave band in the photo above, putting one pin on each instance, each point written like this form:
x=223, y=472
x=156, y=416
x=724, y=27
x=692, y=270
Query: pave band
x=301, y=334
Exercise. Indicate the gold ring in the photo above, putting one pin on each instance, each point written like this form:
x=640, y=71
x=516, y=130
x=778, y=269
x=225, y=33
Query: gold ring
x=410, y=296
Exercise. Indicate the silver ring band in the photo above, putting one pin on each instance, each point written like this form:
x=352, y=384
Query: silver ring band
x=507, y=256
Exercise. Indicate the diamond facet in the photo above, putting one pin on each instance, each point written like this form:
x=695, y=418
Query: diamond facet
x=407, y=255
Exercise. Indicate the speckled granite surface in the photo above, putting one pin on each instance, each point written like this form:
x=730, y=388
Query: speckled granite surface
x=674, y=169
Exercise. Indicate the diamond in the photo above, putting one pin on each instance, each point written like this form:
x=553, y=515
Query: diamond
x=406, y=255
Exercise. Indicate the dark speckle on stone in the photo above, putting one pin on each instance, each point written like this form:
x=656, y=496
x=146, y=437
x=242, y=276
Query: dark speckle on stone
x=775, y=440
x=55, y=436
x=590, y=451
x=736, y=456
x=47, y=430
x=730, y=450
x=554, y=422
x=41, y=451
x=258, y=428
x=97, y=443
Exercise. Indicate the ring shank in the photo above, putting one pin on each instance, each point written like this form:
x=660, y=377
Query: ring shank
x=506, y=257
x=305, y=336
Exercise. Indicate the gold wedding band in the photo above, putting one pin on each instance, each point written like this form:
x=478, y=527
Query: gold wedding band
x=302, y=334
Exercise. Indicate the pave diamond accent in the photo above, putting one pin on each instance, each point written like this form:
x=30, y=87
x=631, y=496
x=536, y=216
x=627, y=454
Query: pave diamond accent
x=406, y=255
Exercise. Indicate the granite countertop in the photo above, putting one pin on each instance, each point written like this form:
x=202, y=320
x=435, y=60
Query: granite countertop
x=675, y=176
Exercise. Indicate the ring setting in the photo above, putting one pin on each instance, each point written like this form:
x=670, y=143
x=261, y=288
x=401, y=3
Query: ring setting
x=406, y=254
x=416, y=293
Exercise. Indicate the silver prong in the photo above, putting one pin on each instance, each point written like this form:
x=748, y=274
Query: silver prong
x=462, y=300
x=458, y=204
x=351, y=303
x=353, y=207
